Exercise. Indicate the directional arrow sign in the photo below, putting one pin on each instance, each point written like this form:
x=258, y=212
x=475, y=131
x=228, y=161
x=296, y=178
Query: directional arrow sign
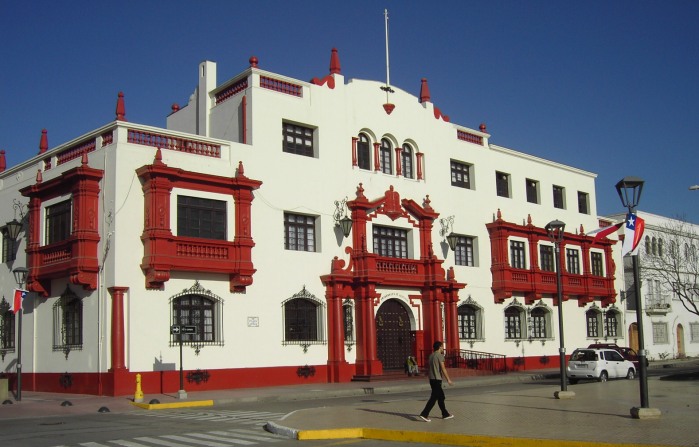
x=188, y=329
x=175, y=329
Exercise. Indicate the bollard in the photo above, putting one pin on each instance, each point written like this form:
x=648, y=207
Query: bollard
x=138, y=395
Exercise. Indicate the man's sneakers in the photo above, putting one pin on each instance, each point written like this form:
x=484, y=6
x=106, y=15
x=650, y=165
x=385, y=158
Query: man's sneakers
x=451, y=416
x=425, y=418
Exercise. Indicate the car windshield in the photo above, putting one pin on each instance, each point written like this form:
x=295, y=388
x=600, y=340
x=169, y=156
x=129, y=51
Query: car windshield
x=583, y=356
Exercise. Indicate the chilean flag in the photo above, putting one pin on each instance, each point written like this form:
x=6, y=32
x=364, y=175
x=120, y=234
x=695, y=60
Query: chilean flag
x=16, y=304
x=633, y=232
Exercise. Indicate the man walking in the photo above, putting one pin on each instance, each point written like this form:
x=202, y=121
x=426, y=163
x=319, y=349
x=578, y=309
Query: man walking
x=436, y=370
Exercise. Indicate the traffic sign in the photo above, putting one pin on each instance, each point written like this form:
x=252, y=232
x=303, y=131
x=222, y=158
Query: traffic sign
x=177, y=329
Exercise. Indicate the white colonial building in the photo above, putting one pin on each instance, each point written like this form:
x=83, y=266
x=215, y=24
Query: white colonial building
x=669, y=271
x=227, y=224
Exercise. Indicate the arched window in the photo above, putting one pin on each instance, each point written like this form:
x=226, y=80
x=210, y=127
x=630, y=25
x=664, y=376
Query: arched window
x=407, y=161
x=648, y=246
x=386, y=156
x=611, y=323
x=470, y=318
x=513, y=323
x=7, y=328
x=660, y=247
x=364, y=152
x=592, y=317
x=348, y=321
x=68, y=322
x=303, y=319
x=655, y=247
x=539, y=323
x=200, y=309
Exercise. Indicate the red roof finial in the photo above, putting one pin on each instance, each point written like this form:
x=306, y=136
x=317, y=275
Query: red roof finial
x=83, y=160
x=44, y=142
x=241, y=169
x=121, y=108
x=483, y=128
x=3, y=162
x=424, y=91
x=334, y=62
x=158, y=160
x=253, y=61
x=39, y=176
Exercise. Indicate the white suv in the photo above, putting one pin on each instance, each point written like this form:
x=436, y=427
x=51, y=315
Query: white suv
x=598, y=364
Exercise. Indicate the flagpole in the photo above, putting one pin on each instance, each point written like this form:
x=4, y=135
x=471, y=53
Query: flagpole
x=388, y=73
x=19, y=356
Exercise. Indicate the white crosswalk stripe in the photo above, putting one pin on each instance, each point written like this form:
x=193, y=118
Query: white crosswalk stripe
x=242, y=417
x=215, y=438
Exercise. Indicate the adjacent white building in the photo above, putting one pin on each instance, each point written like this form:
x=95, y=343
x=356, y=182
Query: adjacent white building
x=226, y=224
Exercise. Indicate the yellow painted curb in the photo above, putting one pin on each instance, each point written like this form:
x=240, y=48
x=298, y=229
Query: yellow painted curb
x=194, y=403
x=448, y=438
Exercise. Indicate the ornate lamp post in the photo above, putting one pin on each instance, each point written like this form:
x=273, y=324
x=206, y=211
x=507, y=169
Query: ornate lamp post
x=629, y=190
x=20, y=277
x=555, y=231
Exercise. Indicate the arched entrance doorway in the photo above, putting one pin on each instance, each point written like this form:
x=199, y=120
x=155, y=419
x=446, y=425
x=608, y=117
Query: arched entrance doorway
x=633, y=336
x=680, y=341
x=393, y=340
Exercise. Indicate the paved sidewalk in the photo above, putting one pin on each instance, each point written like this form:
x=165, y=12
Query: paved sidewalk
x=598, y=415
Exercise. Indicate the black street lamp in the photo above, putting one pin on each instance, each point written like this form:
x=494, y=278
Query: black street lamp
x=555, y=231
x=20, y=277
x=629, y=190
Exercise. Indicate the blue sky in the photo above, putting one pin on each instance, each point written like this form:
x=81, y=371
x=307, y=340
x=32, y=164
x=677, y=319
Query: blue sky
x=611, y=87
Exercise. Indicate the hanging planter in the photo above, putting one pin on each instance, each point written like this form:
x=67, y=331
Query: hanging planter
x=388, y=107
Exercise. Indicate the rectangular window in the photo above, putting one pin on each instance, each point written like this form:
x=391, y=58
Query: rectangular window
x=390, y=242
x=694, y=332
x=572, y=261
x=546, y=258
x=583, y=202
x=532, y=191
x=299, y=232
x=592, y=324
x=198, y=217
x=463, y=253
x=460, y=174
x=559, y=197
x=611, y=324
x=517, y=255
x=660, y=333
x=513, y=324
x=298, y=139
x=58, y=222
x=596, y=264
x=8, y=246
x=502, y=184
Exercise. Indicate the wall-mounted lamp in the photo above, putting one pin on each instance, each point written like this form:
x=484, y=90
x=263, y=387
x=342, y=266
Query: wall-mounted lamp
x=14, y=227
x=341, y=218
x=447, y=231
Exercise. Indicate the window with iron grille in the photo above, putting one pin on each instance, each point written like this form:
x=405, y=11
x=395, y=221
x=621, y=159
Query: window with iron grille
x=303, y=319
x=572, y=261
x=198, y=217
x=364, y=152
x=198, y=307
x=611, y=323
x=532, y=191
x=517, y=255
x=502, y=184
x=386, y=156
x=298, y=139
x=7, y=327
x=660, y=333
x=559, y=197
x=592, y=318
x=547, y=259
x=513, y=323
x=390, y=242
x=348, y=321
x=596, y=263
x=583, y=202
x=468, y=322
x=463, y=252
x=68, y=322
x=58, y=222
x=299, y=232
x=460, y=174
x=8, y=246
x=406, y=160
x=539, y=326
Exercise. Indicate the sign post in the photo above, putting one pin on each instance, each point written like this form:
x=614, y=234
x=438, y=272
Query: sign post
x=178, y=330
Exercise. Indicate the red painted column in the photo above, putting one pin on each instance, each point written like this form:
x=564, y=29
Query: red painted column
x=377, y=159
x=418, y=162
x=399, y=165
x=118, y=357
x=354, y=150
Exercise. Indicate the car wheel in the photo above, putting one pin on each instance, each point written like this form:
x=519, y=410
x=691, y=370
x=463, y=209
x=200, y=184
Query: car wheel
x=603, y=376
x=631, y=374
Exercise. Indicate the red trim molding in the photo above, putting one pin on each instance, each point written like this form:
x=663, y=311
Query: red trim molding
x=164, y=252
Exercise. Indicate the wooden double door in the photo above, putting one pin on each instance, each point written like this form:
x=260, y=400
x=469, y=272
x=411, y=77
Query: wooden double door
x=393, y=335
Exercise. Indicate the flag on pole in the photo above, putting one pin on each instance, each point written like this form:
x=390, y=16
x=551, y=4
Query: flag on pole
x=633, y=232
x=16, y=304
x=602, y=232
